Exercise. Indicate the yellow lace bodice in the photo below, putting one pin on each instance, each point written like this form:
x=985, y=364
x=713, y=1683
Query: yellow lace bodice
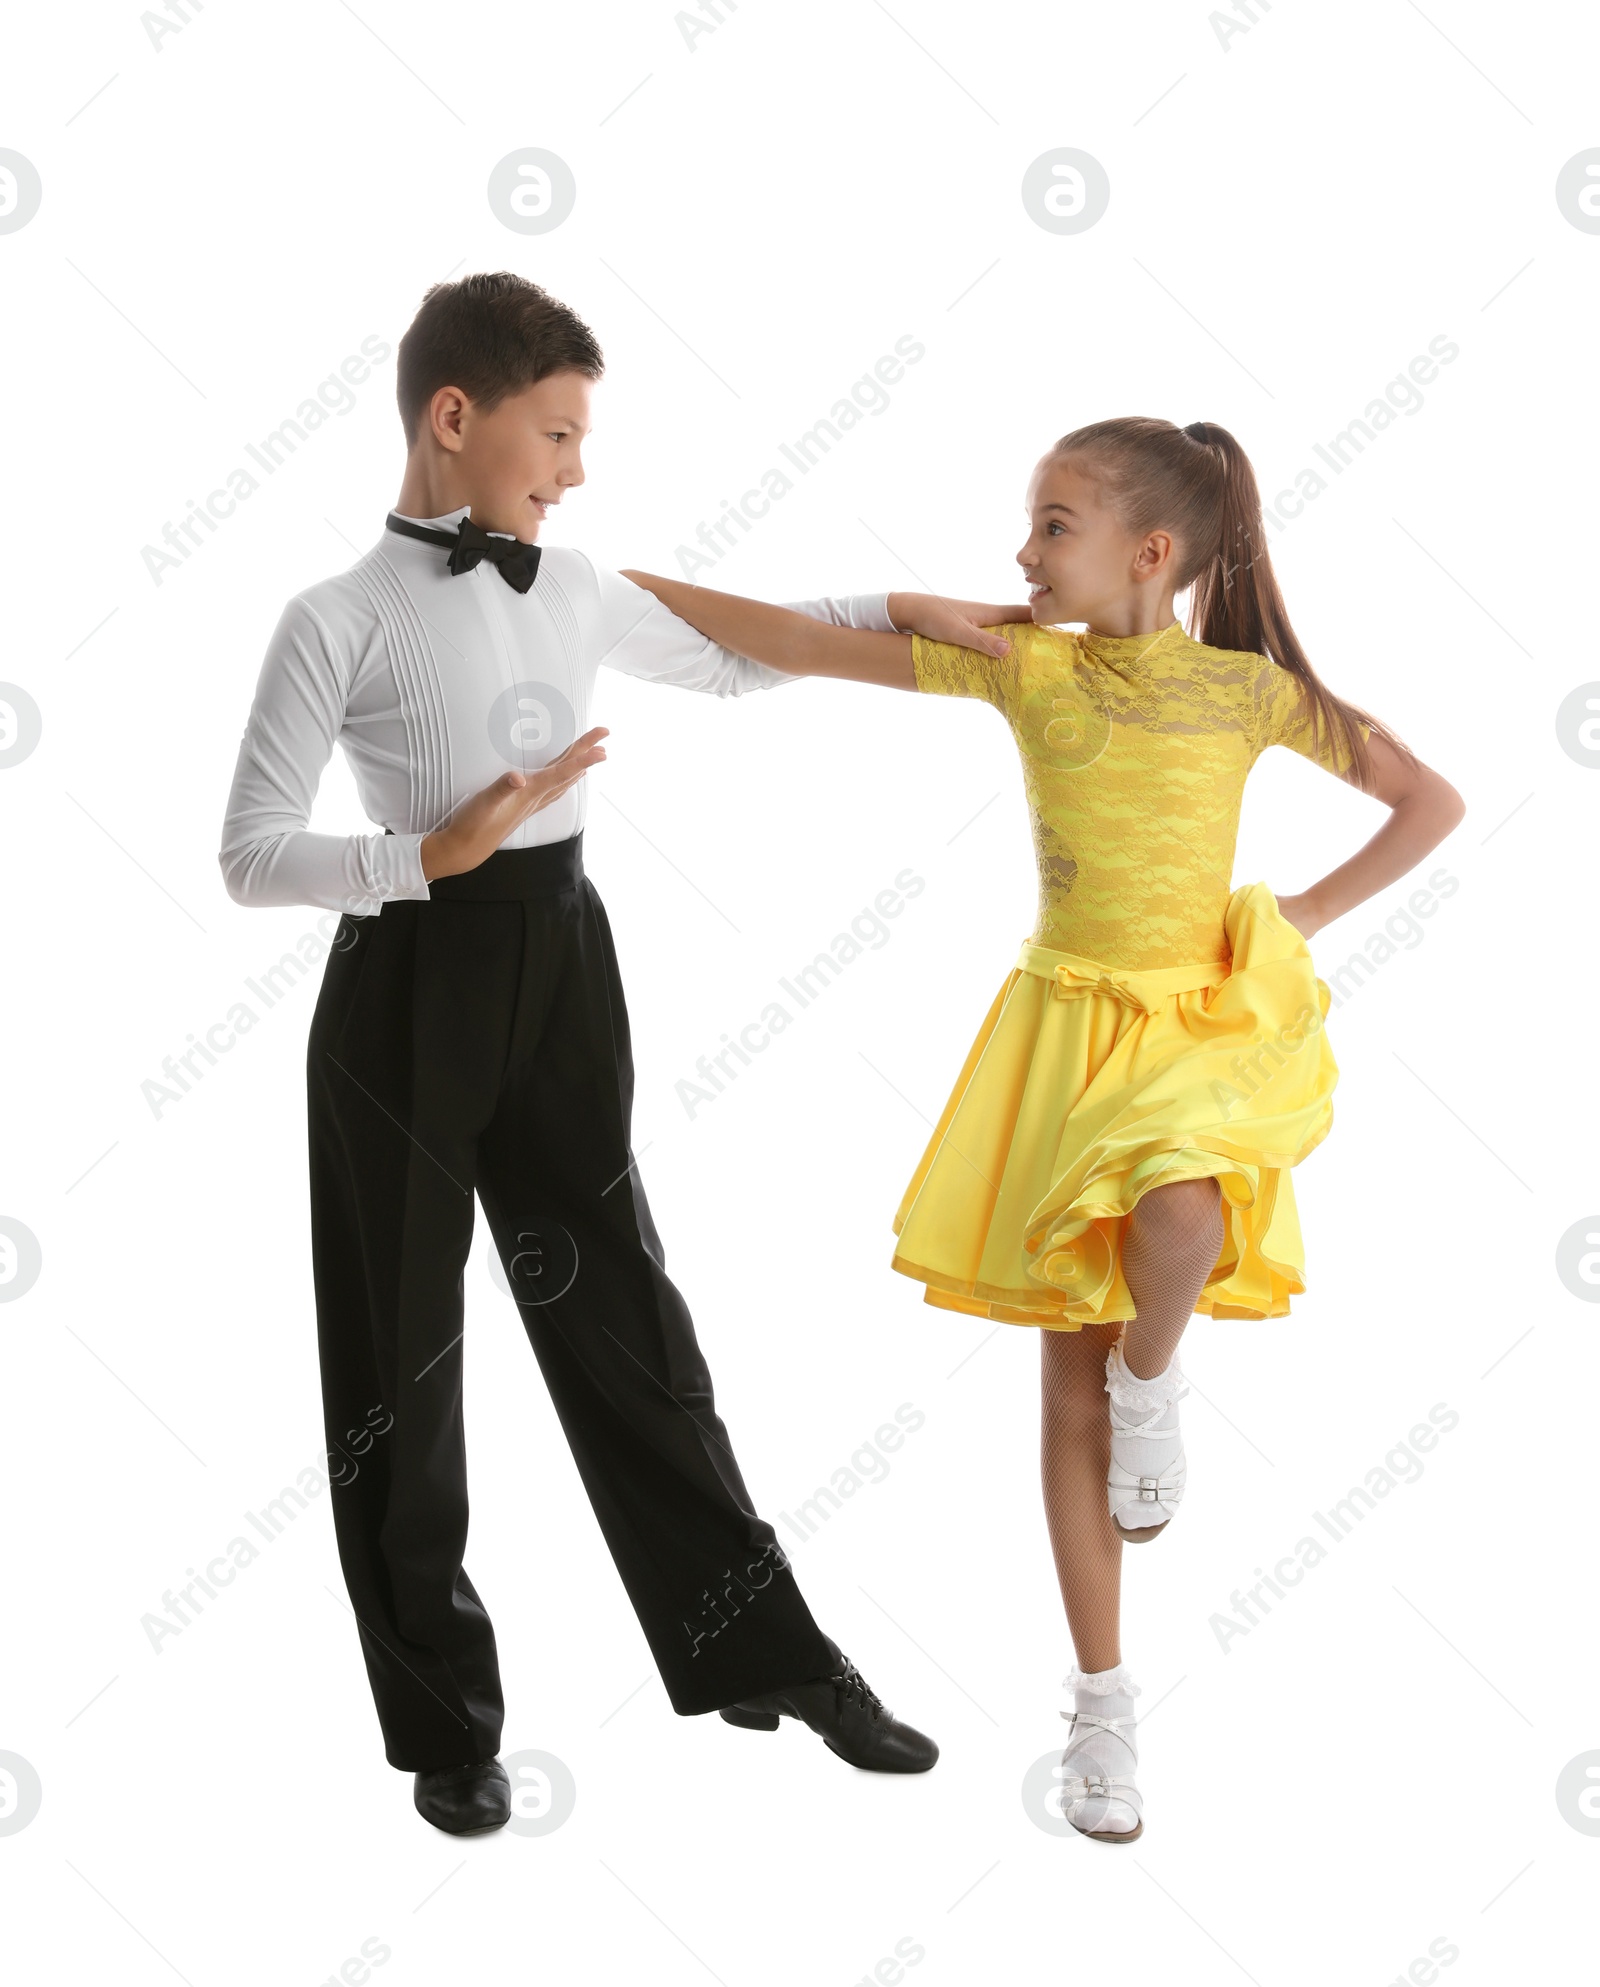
x=1135, y=750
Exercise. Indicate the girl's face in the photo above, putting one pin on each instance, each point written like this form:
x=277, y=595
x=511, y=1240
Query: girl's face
x=1079, y=563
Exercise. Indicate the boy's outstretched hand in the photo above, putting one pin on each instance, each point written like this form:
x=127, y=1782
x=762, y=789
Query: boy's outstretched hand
x=481, y=824
x=967, y=624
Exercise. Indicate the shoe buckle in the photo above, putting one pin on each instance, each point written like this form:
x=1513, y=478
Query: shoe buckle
x=1149, y=1489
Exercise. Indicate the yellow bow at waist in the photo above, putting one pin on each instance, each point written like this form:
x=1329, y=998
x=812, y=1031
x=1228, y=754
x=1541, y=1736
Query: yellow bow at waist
x=1144, y=991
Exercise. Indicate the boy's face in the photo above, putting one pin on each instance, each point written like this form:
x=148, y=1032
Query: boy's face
x=516, y=459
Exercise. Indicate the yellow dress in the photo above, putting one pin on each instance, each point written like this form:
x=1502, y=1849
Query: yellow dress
x=1158, y=1025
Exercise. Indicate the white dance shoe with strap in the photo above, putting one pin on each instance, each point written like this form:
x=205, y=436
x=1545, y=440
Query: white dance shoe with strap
x=1099, y=1795
x=1144, y=1485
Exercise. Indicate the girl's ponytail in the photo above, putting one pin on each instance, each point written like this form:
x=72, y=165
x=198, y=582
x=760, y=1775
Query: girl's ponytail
x=1197, y=482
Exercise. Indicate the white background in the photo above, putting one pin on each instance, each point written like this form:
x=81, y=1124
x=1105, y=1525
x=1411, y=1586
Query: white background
x=1295, y=212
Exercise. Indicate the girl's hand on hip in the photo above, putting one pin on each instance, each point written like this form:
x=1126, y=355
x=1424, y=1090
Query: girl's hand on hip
x=1302, y=913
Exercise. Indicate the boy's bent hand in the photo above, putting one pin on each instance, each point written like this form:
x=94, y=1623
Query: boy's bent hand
x=481, y=824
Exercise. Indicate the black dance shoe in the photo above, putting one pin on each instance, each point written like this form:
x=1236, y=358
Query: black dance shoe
x=465, y=1800
x=850, y=1719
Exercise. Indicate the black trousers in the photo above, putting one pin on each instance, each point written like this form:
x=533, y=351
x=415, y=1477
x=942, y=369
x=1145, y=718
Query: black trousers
x=478, y=1042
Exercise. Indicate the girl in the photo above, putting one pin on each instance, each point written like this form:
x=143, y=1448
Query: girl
x=1115, y=1153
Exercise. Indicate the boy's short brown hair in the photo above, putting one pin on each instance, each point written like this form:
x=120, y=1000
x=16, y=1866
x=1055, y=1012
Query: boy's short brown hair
x=490, y=335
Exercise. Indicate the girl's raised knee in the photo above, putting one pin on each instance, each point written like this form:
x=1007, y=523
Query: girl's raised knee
x=1169, y=1214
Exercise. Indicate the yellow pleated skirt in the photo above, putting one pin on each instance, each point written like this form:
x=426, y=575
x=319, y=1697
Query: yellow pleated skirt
x=1087, y=1086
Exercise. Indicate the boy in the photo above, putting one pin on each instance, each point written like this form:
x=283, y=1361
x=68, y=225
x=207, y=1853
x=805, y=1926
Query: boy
x=471, y=1035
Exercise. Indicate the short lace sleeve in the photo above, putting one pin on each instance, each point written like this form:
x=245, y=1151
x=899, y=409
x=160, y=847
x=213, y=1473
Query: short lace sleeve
x=949, y=671
x=1285, y=716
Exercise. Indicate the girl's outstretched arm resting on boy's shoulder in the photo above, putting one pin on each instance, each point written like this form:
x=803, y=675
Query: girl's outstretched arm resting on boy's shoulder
x=801, y=646
x=1423, y=808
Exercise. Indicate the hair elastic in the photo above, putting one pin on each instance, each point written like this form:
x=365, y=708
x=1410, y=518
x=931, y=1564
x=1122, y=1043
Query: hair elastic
x=1197, y=431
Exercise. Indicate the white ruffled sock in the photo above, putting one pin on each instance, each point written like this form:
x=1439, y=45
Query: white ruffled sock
x=1093, y=1750
x=1139, y=1398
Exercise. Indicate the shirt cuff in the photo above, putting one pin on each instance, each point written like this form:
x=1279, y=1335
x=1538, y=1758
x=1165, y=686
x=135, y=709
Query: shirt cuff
x=398, y=863
x=855, y=610
x=871, y=610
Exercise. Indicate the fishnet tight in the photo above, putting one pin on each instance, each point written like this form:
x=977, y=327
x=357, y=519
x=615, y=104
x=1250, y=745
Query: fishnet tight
x=1170, y=1246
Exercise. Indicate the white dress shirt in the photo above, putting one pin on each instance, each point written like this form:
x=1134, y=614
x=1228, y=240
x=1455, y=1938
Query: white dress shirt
x=434, y=684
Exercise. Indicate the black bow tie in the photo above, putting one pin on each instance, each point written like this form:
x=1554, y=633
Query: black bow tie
x=469, y=542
